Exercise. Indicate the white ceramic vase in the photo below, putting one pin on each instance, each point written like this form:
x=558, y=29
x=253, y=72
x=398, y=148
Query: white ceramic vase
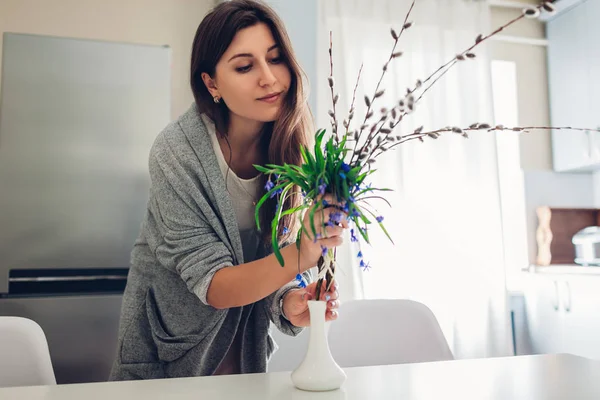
x=318, y=372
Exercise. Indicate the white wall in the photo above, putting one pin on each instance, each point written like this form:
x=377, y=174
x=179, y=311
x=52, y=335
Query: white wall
x=536, y=150
x=157, y=22
x=596, y=182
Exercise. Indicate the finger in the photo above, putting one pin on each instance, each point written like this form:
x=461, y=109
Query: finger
x=333, y=305
x=333, y=295
x=334, y=284
x=331, y=242
x=336, y=214
x=331, y=231
x=331, y=315
x=321, y=226
x=306, y=295
x=319, y=230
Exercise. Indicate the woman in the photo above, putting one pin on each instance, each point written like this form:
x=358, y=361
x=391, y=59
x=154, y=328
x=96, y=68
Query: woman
x=203, y=286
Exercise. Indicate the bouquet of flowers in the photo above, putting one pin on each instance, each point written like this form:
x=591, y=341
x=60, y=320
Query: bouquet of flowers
x=340, y=165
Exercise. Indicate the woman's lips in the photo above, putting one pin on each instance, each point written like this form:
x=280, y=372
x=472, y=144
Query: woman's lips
x=272, y=98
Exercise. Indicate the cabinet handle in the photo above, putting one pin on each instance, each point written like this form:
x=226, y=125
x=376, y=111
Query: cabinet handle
x=590, y=145
x=567, y=304
x=555, y=302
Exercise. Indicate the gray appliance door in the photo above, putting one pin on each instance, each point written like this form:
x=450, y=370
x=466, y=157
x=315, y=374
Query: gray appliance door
x=81, y=332
x=77, y=120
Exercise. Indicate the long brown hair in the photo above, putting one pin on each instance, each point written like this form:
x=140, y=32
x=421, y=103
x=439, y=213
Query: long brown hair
x=292, y=128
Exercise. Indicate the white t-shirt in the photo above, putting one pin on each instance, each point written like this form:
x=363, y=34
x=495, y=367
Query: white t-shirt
x=244, y=194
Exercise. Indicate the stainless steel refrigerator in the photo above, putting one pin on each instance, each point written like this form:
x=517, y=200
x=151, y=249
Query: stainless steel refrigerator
x=77, y=120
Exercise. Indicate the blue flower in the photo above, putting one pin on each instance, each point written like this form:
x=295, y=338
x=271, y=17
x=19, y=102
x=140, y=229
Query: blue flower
x=353, y=237
x=365, y=266
x=323, y=251
x=351, y=199
x=285, y=230
x=345, y=167
x=269, y=185
x=346, y=207
x=325, y=203
x=355, y=213
x=379, y=219
x=322, y=188
x=359, y=255
x=275, y=193
x=335, y=217
x=343, y=175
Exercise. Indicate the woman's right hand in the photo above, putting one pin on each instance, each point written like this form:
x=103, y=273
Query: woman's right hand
x=329, y=235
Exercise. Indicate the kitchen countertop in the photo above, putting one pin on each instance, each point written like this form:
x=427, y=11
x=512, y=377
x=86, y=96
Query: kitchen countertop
x=563, y=269
x=541, y=377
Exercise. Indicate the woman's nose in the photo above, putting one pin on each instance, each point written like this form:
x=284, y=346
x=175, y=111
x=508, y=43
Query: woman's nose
x=267, y=78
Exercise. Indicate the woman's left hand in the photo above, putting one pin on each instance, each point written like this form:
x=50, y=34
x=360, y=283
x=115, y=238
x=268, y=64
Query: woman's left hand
x=295, y=304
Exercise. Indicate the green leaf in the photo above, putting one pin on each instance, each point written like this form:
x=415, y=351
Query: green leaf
x=386, y=232
x=363, y=191
x=320, y=160
x=294, y=177
x=345, y=191
x=299, y=237
x=376, y=197
x=275, y=224
x=381, y=226
x=262, y=169
x=262, y=201
x=364, y=233
x=312, y=220
x=361, y=215
x=309, y=159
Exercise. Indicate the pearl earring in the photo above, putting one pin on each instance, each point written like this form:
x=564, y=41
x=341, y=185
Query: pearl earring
x=217, y=99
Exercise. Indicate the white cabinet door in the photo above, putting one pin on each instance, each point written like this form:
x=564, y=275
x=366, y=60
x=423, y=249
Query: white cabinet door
x=543, y=315
x=593, y=49
x=569, y=88
x=563, y=314
x=580, y=306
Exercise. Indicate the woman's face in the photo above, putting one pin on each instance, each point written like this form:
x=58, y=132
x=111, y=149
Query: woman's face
x=251, y=77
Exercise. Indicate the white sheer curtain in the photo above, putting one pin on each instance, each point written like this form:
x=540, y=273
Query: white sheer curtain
x=445, y=217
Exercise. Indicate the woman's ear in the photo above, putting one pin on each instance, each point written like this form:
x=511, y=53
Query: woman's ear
x=210, y=85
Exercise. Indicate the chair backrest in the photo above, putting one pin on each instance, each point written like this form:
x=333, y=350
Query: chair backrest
x=24, y=355
x=290, y=351
x=383, y=332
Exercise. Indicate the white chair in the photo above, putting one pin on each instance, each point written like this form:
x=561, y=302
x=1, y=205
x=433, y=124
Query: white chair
x=383, y=332
x=290, y=353
x=24, y=355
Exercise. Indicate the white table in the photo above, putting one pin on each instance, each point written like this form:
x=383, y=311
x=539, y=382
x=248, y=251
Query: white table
x=526, y=377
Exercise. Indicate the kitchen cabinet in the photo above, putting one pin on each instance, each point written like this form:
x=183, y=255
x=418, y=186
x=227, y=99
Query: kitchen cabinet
x=593, y=15
x=574, y=86
x=562, y=313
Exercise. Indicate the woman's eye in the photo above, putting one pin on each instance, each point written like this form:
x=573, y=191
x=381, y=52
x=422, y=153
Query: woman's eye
x=243, y=69
x=277, y=60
